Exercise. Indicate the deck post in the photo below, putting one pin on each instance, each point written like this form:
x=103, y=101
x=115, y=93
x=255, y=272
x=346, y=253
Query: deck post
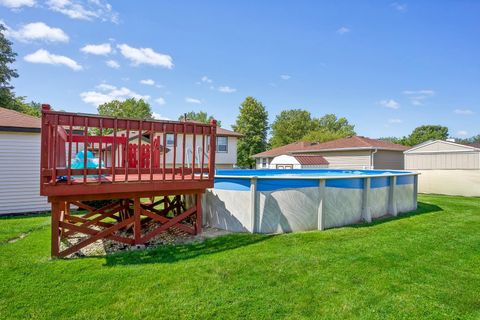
x=55, y=229
x=198, y=220
x=137, y=228
x=366, y=213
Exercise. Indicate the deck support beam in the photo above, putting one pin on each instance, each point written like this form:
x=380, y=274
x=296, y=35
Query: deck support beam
x=106, y=222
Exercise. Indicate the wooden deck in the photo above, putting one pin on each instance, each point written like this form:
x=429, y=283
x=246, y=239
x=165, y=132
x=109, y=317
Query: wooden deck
x=89, y=157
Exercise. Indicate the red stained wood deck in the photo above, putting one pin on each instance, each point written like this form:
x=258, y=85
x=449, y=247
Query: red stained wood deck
x=129, y=160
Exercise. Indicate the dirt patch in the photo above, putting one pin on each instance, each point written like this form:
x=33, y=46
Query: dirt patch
x=173, y=236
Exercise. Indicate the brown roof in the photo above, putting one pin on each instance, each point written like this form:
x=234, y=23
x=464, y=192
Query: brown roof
x=475, y=145
x=224, y=132
x=17, y=121
x=310, y=159
x=221, y=131
x=355, y=142
x=286, y=149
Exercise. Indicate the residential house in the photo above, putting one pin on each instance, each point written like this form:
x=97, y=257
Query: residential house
x=354, y=152
x=20, y=163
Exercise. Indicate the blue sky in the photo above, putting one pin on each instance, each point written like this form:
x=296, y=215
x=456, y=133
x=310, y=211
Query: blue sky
x=386, y=66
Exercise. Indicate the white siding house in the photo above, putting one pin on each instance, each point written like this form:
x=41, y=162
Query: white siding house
x=225, y=155
x=20, y=164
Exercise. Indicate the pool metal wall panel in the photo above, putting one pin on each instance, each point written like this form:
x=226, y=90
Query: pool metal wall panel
x=277, y=205
x=287, y=210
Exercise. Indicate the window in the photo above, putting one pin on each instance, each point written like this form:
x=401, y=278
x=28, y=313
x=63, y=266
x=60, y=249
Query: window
x=264, y=162
x=170, y=139
x=222, y=144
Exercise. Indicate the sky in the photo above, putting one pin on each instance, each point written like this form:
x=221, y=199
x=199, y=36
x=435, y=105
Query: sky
x=386, y=66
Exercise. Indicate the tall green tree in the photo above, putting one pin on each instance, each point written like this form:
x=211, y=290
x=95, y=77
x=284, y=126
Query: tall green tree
x=7, y=57
x=425, y=133
x=130, y=108
x=328, y=128
x=290, y=126
x=331, y=123
x=200, y=116
x=252, y=122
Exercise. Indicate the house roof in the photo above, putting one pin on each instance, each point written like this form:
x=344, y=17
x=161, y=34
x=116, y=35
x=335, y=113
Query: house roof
x=221, y=131
x=350, y=143
x=310, y=159
x=224, y=132
x=356, y=142
x=286, y=149
x=475, y=145
x=15, y=121
x=459, y=146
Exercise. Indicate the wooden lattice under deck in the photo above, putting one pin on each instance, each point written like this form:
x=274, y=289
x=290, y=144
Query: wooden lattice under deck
x=151, y=171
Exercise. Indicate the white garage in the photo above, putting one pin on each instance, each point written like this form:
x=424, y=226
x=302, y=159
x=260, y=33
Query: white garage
x=20, y=164
x=446, y=167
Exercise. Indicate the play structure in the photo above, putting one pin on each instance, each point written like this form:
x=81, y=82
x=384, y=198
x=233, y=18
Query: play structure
x=149, y=170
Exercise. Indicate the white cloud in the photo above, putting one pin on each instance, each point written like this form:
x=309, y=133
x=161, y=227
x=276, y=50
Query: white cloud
x=395, y=121
x=390, y=103
x=112, y=64
x=36, y=31
x=343, y=30
x=158, y=116
x=146, y=56
x=108, y=93
x=160, y=101
x=417, y=97
x=148, y=82
x=226, y=89
x=206, y=79
x=90, y=10
x=463, y=111
x=285, y=77
x=102, y=49
x=43, y=56
x=192, y=100
x=424, y=92
x=402, y=7
x=16, y=4
x=462, y=133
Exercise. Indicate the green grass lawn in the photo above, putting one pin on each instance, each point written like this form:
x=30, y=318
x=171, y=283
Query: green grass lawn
x=424, y=264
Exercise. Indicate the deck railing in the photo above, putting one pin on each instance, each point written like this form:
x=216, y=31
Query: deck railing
x=92, y=149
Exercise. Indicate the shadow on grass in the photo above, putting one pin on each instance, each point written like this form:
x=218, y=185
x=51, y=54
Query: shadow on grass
x=422, y=208
x=174, y=253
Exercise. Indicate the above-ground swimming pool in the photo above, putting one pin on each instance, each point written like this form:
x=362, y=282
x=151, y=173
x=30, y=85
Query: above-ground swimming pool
x=277, y=201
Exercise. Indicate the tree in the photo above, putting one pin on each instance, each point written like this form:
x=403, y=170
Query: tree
x=7, y=57
x=425, y=133
x=130, y=108
x=290, y=126
x=330, y=123
x=328, y=128
x=252, y=122
x=323, y=135
x=200, y=116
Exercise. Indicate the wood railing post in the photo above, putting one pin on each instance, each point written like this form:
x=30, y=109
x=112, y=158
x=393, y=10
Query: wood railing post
x=212, y=151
